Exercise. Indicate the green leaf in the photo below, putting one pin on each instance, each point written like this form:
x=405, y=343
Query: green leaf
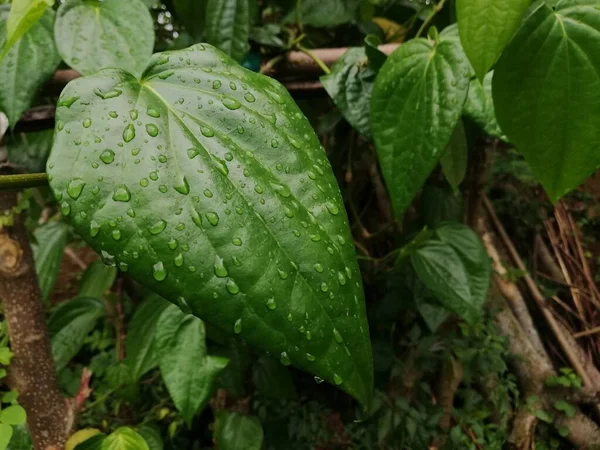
x=479, y=107
x=417, y=101
x=96, y=280
x=192, y=14
x=20, y=438
x=33, y=54
x=139, y=346
x=51, y=240
x=349, y=85
x=267, y=34
x=24, y=14
x=376, y=57
x=188, y=371
x=272, y=379
x=6, y=432
x=330, y=13
x=69, y=324
x=5, y=356
x=234, y=431
x=456, y=269
x=93, y=35
x=152, y=437
x=566, y=407
x=455, y=158
x=92, y=443
x=229, y=205
x=228, y=26
x=13, y=415
x=124, y=439
x=29, y=150
x=485, y=27
x=10, y=397
x=550, y=118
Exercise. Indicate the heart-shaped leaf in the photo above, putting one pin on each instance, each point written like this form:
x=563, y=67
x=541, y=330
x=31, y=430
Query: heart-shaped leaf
x=551, y=119
x=417, y=101
x=206, y=182
x=92, y=34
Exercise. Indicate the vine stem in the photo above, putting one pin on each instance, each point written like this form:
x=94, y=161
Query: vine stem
x=428, y=20
x=23, y=181
x=318, y=61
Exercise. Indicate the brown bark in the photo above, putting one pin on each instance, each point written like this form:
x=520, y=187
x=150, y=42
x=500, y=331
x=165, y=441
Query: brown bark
x=32, y=372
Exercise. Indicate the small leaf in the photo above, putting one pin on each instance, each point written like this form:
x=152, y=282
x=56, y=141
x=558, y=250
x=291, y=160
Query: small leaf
x=228, y=26
x=485, y=27
x=5, y=356
x=6, y=432
x=234, y=431
x=544, y=416
x=272, y=379
x=96, y=280
x=13, y=415
x=566, y=407
x=417, y=101
x=24, y=14
x=152, y=437
x=124, y=439
x=10, y=397
x=21, y=439
x=550, y=118
x=69, y=324
x=81, y=436
x=113, y=33
x=349, y=85
x=29, y=150
x=322, y=14
x=267, y=34
x=51, y=240
x=454, y=160
x=479, y=107
x=189, y=373
x=33, y=54
x=376, y=57
x=92, y=443
x=139, y=346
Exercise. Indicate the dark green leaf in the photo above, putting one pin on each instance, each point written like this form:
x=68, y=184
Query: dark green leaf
x=124, y=439
x=51, y=240
x=6, y=432
x=97, y=279
x=440, y=205
x=566, y=407
x=417, y=101
x=189, y=372
x=349, y=85
x=550, y=119
x=455, y=158
x=152, y=437
x=232, y=211
x=13, y=415
x=93, y=35
x=24, y=14
x=485, y=27
x=234, y=376
x=140, y=347
x=29, y=150
x=330, y=13
x=34, y=55
x=192, y=14
x=479, y=107
x=267, y=35
x=234, y=431
x=228, y=26
x=376, y=57
x=20, y=438
x=69, y=324
x=272, y=379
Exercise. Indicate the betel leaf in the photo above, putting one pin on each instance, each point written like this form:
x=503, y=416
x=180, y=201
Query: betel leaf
x=48, y=249
x=485, y=27
x=455, y=158
x=93, y=35
x=33, y=54
x=228, y=26
x=188, y=371
x=479, y=107
x=206, y=182
x=13, y=415
x=69, y=324
x=23, y=15
x=235, y=431
x=139, y=346
x=21, y=440
x=551, y=119
x=124, y=438
x=349, y=85
x=417, y=101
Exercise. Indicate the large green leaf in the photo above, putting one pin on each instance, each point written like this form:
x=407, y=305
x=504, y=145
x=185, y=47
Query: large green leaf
x=235, y=431
x=35, y=55
x=140, y=347
x=69, y=324
x=48, y=249
x=349, y=85
x=189, y=372
x=23, y=15
x=124, y=438
x=417, y=101
x=93, y=35
x=485, y=27
x=547, y=93
x=29, y=150
x=228, y=26
x=207, y=183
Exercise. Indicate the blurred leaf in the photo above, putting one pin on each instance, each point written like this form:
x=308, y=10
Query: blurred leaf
x=234, y=431
x=97, y=279
x=228, y=26
x=13, y=415
x=81, y=436
x=188, y=371
x=140, y=346
x=376, y=57
x=51, y=240
x=454, y=161
x=69, y=324
x=20, y=438
x=92, y=443
x=124, y=439
x=272, y=379
x=267, y=34
x=192, y=14
x=29, y=150
x=152, y=437
x=6, y=432
x=322, y=14
x=24, y=14
x=441, y=204
x=393, y=32
x=233, y=377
